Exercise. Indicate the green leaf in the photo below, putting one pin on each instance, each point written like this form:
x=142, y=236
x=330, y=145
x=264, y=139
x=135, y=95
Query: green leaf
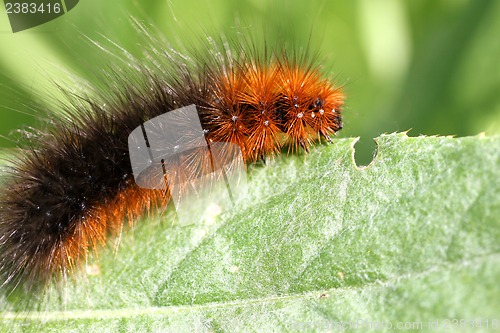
x=318, y=244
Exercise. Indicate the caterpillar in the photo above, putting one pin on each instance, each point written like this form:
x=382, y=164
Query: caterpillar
x=70, y=185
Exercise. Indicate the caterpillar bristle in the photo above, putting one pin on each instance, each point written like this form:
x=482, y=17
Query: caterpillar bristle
x=71, y=185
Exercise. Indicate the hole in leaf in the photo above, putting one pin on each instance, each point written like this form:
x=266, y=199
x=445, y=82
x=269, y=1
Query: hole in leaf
x=365, y=151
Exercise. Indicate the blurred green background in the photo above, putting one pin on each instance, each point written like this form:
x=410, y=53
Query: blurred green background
x=427, y=65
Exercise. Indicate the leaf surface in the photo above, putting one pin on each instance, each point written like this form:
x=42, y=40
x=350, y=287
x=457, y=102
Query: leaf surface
x=317, y=244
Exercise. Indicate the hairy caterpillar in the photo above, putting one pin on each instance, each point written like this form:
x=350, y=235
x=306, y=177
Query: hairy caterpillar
x=71, y=184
